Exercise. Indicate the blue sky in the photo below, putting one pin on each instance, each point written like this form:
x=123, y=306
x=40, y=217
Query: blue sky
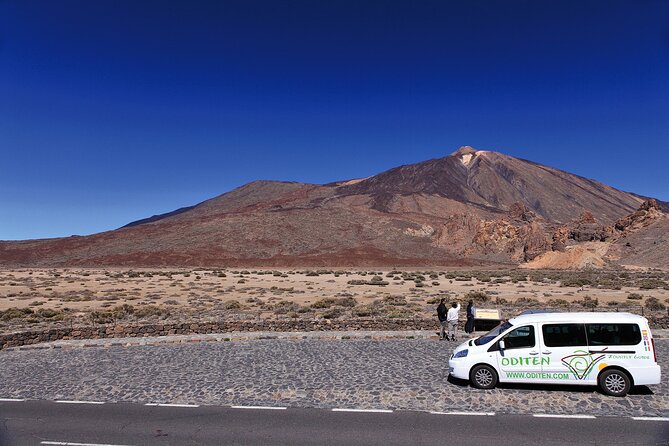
x=112, y=111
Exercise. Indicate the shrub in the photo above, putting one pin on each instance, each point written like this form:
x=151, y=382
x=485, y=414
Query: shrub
x=399, y=313
x=323, y=303
x=395, y=300
x=575, y=282
x=557, y=303
x=232, y=305
x=285, y=306
x=15, y=313
x=126, y=311
x=376, y=280
x=345, y=302
x=365, y=311
x=634, y=296
x=333, y=313
x=589, y=302
x=477, y=296
x=527, y=301
x=654, y=304
x=650, y=284
x=48, y=313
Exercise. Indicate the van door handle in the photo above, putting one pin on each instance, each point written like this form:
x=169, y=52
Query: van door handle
x=546, y=352
x=534, y=353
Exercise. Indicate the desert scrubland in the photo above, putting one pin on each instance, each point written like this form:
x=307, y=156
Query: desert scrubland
x=43, y=298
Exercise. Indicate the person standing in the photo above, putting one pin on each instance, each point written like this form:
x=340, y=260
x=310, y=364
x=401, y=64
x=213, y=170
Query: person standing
x=469, y=326
x=442, y=316
x=452, y=318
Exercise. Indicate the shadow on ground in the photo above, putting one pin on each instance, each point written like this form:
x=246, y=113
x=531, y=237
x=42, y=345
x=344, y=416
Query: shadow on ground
x=636, y=390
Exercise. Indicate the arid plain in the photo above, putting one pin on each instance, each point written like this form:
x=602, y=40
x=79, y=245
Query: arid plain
x=41, y=298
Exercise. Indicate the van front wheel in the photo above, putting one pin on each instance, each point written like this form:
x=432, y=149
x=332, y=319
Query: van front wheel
x=614, y=382
x=483, y=377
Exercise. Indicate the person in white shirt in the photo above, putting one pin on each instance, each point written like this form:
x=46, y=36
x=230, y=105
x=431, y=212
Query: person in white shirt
x=452, y=318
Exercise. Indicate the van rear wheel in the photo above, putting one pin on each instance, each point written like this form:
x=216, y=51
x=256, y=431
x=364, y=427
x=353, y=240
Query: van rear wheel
x=614, y=382
x=483, y=377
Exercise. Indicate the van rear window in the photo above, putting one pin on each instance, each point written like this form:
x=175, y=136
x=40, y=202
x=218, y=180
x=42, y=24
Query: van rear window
x=613, y=334
x=564, y=335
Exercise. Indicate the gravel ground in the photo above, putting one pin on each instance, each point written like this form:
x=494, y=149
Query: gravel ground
x=396, y=374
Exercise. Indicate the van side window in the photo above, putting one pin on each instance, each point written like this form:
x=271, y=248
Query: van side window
x=564, y=335
x=613, y=334
x=521, y=337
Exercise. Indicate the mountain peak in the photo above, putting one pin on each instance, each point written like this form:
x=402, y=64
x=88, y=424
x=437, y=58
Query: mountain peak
x=466, y=154
x=464, y=150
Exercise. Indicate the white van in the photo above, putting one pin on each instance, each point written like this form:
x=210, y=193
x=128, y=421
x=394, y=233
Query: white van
x=612, y=350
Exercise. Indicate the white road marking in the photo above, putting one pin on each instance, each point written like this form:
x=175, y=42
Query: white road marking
x=260, y=407
x=11, y=400
x=364, y=410
x=480, y=414
x=651, y=418
x=550, y=415
x=65, y=443
x=171, y=405
x=79, y=402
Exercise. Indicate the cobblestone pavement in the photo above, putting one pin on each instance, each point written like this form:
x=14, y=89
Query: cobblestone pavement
x=314, y=372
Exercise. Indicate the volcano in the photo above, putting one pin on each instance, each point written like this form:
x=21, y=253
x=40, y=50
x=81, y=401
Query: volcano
x=470, y=208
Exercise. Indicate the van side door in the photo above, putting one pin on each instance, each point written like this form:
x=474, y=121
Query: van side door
x=520, y=358
x=567, y=360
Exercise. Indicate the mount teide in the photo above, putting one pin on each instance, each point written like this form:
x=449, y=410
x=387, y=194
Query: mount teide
x=467, y=209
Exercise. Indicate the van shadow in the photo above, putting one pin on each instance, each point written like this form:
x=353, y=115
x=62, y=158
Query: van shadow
x=636, y=390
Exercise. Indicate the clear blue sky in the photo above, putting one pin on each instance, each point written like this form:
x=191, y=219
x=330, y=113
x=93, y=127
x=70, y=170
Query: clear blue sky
x=112, y=111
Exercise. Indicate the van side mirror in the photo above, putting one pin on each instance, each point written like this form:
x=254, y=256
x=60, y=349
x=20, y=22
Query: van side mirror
x=501, y=345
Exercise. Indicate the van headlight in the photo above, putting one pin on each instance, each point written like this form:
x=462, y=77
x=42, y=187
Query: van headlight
x=461, y=353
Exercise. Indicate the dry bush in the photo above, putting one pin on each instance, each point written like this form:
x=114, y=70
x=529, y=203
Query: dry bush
x=285, y=306
x=333, y=313
x=395, y=301
x=651, y=284
x=232, y=305
x=128, y=312
x=527, y=302
x=589, y=302
x=654, y=304
x=477, y=296
x=560, y=303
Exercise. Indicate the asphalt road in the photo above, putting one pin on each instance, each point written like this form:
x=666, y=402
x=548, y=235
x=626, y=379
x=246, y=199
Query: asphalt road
x=44, y=423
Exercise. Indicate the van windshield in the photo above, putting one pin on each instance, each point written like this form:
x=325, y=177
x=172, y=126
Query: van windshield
x=492, y=334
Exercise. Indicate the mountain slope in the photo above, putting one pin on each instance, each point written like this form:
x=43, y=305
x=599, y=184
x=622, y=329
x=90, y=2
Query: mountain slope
x=469, y=208
x=494, y=181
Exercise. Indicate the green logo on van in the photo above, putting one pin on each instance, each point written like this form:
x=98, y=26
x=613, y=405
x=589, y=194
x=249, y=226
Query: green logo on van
x=581, y=363
x=526, y=360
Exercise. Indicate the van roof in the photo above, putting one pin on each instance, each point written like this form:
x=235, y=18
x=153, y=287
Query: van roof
x=581, y=317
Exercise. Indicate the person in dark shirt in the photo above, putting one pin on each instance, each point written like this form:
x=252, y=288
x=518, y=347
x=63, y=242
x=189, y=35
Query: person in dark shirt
x=469, y=326
x=441, y=315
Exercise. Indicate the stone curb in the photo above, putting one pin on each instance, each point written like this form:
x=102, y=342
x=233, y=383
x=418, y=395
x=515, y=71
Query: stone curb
x=251, y=336
x=230, y=337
